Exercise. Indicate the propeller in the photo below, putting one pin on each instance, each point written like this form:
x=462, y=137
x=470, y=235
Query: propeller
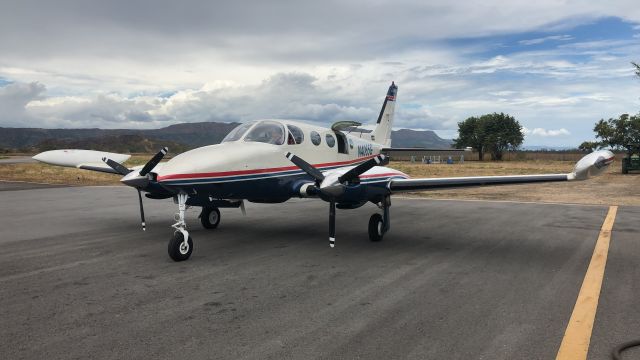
x=144, y=225
x=121, y=169
x=354, y=173
x=332, y=223
x=140, y=180
x=333, y=186
x=154, y=161
x=306, y=167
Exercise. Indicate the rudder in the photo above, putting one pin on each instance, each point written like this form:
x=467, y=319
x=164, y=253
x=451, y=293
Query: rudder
x=382, y=133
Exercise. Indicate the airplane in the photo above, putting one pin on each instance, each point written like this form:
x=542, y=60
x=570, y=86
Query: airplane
x=272, y=161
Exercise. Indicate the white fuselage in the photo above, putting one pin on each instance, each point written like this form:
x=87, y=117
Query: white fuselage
x=232, y=169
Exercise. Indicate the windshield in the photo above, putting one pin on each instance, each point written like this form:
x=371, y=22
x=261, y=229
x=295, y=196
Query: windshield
x=269, y=132
x=238, y=131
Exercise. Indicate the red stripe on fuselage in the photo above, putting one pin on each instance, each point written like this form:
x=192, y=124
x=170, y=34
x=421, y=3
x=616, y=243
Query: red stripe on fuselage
x=255, y=171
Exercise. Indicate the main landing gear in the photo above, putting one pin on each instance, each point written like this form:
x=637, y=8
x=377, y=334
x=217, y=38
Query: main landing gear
x=210, y=217
x=380, y=224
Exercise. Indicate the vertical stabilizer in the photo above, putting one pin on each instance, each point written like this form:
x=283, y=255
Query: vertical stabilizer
x=382, y=132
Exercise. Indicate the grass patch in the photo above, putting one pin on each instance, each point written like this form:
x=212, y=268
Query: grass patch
x=44, y=173
x=612, y=188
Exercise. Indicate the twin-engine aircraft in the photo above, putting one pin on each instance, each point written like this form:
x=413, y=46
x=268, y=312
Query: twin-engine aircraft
x=271, y=161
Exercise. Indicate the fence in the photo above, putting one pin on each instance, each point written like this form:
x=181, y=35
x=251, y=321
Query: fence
x=419, y=155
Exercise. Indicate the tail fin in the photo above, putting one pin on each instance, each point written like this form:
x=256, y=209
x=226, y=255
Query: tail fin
x=382, y=132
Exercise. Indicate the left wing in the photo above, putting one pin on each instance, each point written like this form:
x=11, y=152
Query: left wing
x=590, y=165
x=82, y=159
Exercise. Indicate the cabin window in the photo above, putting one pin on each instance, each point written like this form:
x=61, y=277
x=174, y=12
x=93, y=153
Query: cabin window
x=296, y=136
x=331, y=141
x=269, y=132
x=315, y=138
x=351, y=144
x=238, y=132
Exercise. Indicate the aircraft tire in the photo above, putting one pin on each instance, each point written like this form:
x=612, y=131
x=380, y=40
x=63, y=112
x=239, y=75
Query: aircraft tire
x=210, y=217
x=376, y=227
x=176, y=250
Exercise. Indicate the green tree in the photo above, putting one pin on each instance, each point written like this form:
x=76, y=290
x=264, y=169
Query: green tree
x=589, y=146
x=493, y=133
x=618, y=133
x=470, y=133
x=503, y=133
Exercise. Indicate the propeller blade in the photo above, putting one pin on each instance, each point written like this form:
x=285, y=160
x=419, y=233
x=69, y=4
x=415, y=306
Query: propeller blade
x=121, y=169
x=144, y=225
x=332, y=223
x=154, y=161
x=352, y=174
x=306, y=167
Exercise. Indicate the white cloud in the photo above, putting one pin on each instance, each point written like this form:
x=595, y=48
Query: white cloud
x=284, y=95
x=545, y=39
x=546, y=133
x=114, y=64
x=13, y=100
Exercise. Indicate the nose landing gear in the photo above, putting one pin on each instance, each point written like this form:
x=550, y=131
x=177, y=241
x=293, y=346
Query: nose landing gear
x=179, y=249
x=181, y=244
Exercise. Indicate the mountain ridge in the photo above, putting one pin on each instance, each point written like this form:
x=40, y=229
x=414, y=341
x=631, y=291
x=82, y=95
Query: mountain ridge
x=182, y=135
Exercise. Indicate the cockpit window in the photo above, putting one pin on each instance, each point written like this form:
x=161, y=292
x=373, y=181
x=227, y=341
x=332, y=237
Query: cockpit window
x=296, y=136
x=238, y=131
x=269, y=132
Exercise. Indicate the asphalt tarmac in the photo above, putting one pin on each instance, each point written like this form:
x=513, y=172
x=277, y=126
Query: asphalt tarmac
x=17, y=160
x=452, y=280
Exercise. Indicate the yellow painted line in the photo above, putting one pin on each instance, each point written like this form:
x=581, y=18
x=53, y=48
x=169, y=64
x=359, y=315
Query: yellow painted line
x=575, y=343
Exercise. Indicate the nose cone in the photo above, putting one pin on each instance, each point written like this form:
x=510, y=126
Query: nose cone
x=221, y=160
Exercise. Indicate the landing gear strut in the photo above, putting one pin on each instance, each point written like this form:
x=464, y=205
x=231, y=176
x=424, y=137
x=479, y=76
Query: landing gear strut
x=181, y=244
x=380, y=224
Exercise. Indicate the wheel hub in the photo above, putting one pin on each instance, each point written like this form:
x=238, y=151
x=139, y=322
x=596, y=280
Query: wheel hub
x=213, y=217
x=184, y=248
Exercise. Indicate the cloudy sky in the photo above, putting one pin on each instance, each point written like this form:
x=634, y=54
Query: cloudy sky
x=557, y=66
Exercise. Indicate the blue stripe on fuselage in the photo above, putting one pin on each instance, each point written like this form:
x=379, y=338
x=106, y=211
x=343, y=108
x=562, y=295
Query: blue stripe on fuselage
x=224, y=179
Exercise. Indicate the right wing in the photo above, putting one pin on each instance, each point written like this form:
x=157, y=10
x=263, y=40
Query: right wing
x=457, y=182
x=590, y=165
